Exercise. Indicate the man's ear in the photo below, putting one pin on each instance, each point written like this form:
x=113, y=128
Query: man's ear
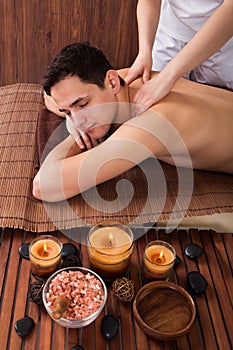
x=112, y=79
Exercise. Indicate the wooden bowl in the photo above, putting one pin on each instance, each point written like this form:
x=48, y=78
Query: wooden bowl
x=164, y=310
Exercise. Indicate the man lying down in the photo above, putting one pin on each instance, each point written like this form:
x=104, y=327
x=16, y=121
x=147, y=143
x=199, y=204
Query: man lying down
x=191, y=127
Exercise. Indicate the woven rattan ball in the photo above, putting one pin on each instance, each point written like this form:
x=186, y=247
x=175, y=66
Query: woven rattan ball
x=123, y=289
x=35, y=291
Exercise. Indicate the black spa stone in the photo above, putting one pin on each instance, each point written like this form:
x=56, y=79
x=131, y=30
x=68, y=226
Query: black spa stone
x=196, y=282
x=24, y=326
x=177, y=260
x=24, y=251
x=77, y=347
x=68, y=249
x=72, y=261
x=193, y=250
x=109, y=327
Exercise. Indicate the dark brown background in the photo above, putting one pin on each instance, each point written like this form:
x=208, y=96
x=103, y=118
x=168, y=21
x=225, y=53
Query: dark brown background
x=33, y=31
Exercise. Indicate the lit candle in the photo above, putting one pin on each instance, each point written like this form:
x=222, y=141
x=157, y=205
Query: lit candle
x=158, y=260
x=45, y=255
x=111, y=239
x=109, y=249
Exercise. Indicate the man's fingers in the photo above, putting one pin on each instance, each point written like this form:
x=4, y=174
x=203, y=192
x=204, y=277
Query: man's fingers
x=83, y=140
x=79, y=142
x=86, y=141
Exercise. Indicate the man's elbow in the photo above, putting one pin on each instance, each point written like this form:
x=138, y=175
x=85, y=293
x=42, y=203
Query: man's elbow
x=44, y=195
x=48, y=192
x=36, y=188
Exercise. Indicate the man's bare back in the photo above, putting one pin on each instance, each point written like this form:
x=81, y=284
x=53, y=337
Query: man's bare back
x=203, y=116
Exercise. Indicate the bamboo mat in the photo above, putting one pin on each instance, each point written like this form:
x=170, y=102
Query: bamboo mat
x=20, y=106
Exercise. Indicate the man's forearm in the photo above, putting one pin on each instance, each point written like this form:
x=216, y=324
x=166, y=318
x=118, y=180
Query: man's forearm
x=48, y=180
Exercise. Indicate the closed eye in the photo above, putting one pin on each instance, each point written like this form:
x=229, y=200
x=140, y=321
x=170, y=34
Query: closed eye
x=83, y=105
x=79, y=102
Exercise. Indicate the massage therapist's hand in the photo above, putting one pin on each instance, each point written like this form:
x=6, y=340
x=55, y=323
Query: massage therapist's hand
x=83, y=140
x=141, y=66
x=152, y=92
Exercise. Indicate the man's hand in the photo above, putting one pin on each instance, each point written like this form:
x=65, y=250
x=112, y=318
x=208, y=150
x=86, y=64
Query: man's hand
x=83, y=140
x=51, y=106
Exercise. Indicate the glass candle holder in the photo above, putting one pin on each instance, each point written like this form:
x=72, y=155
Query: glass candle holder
x=45, y=254
x=158, y=260
x=110, y=246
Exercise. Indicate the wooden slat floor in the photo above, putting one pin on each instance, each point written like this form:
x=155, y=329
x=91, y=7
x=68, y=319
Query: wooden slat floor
x=212, y=328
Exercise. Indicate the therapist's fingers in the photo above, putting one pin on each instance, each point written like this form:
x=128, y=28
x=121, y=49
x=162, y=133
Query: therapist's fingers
x=149, y=94
x=154, y=90
x=142, y=101
x=139, y=109
x=146, y=75
x=131, y=76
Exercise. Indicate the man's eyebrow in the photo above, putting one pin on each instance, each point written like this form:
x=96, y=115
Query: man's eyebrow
x=79, y=99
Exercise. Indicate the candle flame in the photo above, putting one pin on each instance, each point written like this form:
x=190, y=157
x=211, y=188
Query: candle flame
x=45, y=248
x=161, y=255
x=110, y=239
x=160, y=258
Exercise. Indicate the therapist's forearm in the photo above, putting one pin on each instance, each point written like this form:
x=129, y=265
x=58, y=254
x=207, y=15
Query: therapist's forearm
x=148, y=12
x=208, y=40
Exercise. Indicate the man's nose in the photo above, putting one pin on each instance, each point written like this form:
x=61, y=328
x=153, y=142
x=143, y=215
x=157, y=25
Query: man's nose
x=78, y=119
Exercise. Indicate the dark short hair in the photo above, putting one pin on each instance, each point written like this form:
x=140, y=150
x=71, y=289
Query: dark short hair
x=81, y=59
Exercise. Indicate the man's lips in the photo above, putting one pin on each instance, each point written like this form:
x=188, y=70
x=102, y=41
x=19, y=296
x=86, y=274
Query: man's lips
x=89, y=128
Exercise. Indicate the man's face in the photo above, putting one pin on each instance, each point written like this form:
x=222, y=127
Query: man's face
x=91, y=109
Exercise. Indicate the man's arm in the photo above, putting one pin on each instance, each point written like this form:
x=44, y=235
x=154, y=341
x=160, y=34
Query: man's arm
x=65, y=174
